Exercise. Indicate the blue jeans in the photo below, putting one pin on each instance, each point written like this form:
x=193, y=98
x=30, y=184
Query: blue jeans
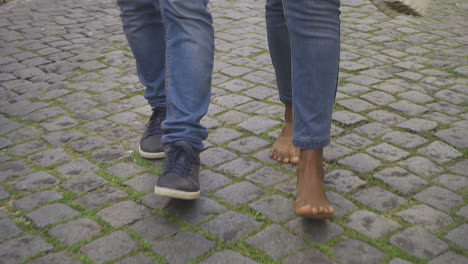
x=304, y=42
x=173, y=45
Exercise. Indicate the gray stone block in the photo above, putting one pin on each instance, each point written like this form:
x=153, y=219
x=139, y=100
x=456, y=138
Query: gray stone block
x=343, y=180
x=26, y=148
x=8, y=229
x=418, y=125
x=50, y=157
x=334, y=151
x=50, y=214
x=192, y=244
x=459, y=236
x=231, y=100
x=227, y=257
x=354, y=141
x=59, y=123
x=29, y=202
x=240, y=193
x=34, y=181
x=75, y=231
x=13, y=169
x=140, y=259
x=143, y=183
x=110, y=247
x=275, y=207
x=315, y=231
x=354, y=251
x=372, y=130
x=238, y=167
x=449, y=257
x=421, y=166
x=210, y=180
x=418, y=242
x=248, y=144
x=110, y=154
x=195, y=211
x=379, y=199
x=88, y=144
x=215, y=156
x=276, y=242
x=371, y=224
x=76, y=167
x=456, y=137
x=460, y=167
x=222, y=135
x=123, y=213
x=102, y=196
x=84, y=183
x=439, y=198
x=404, y=139
x=154, y=228
x=400, y=179
x=232, y=117
x=360, y=162
x=306, y=257
x=425, y=216
x=16, y=250
x=347, y=118
x=386, y=117
x=452, y=182
x=56, y=258
x=267, y=176
x=61, y=137
x=230, y=226
x=258, y=124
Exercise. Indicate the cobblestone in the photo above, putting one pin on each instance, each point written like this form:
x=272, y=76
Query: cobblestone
x=276, y=242
x=419, y=242
x=115, y=245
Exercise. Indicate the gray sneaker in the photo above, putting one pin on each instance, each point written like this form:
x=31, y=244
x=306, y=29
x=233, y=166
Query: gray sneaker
x=181, y=172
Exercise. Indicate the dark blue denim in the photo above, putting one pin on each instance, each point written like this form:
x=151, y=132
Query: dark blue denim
x=304, y=42
x=173, y=45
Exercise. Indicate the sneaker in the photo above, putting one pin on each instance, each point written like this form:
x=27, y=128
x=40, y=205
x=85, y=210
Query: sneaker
x=151, y=146
x=181, y=172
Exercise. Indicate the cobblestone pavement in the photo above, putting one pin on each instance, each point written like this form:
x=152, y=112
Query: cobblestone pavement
x=73, y=189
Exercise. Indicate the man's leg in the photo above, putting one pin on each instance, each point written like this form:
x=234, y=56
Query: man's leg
x=189, y=65
x=280, y=51
x=314, y=30
x=144, y=29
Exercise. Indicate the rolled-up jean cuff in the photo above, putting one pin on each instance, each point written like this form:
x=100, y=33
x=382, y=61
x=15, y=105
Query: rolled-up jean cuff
x=154, y=104
x=286, y=101
x=311, y=143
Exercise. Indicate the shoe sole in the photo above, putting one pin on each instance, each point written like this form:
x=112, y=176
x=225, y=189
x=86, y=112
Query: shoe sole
x=176, y=193
x=151, y=155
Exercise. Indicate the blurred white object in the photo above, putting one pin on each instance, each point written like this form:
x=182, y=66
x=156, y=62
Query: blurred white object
x=393, y=8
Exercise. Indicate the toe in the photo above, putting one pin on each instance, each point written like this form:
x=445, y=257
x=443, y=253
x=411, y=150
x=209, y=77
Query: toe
x=295, y=160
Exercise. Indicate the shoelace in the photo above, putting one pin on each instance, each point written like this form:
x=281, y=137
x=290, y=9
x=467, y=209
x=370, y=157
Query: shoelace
x=178, y=167
x=154, y=124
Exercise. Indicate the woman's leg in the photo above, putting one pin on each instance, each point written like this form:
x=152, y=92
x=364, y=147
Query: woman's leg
x=144, y=28
x=280, y=51
x=314, y=30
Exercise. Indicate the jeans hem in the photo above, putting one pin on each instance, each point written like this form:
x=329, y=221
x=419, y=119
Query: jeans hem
x=311, y=143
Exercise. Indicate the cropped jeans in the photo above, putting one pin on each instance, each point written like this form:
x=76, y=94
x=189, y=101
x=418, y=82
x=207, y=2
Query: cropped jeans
x=304, y=43
x=173, y=45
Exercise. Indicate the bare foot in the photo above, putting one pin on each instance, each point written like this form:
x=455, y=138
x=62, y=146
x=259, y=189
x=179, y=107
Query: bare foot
x=283, y=149
x=311, y=201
